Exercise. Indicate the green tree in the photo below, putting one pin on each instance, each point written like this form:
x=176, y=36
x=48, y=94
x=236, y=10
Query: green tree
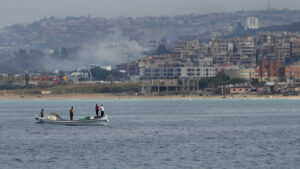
x=64, y=53
x=61, y=76
x=220, y=80
x=27, y=78
x=162, y=50
x=102, y=74
x=110, y=78
x=254, y=82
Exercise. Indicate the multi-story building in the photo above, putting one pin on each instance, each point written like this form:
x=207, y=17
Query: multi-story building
x=295, y=47
x=198, y=72
x=252, y=23
x=247, y=46
x=189, y=59
x=270, y=72
x=292, y=72
x=220, y=51
x=177, y=72
x=186, y=48
x=282, y=51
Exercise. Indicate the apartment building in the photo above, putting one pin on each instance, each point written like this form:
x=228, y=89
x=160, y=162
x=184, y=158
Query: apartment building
x=292, y=72
x=270, y=71
x=177, y=72
x=252, y=23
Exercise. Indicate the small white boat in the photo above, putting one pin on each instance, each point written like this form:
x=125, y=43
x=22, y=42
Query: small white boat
x=55, y=119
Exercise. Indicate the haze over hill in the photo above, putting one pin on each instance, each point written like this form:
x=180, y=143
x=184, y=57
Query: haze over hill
x=293, y=27
x=16, y=11
x=112, y=41
x=52, y=32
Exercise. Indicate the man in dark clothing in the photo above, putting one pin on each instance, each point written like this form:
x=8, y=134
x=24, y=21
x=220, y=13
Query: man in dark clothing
x=42, y=113
x=71, y=113
x=97, y=110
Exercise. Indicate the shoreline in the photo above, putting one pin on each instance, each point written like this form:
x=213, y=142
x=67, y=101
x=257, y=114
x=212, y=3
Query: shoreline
x=120, y=97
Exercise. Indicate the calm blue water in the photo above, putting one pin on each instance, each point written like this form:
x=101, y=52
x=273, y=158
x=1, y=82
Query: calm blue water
x=154, y=134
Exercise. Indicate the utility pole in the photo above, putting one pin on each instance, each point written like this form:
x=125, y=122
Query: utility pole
x=158, y=86
x=269, y=5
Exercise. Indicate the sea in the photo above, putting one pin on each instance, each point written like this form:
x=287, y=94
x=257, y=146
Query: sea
x=153, y=133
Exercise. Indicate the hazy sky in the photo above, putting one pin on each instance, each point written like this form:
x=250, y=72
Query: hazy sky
x=24, y=11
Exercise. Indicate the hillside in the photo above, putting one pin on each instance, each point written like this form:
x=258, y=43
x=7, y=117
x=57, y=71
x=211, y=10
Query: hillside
x=55, y=32
x=293, y=27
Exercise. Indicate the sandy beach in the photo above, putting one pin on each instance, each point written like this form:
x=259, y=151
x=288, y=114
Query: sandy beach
x=114, y=96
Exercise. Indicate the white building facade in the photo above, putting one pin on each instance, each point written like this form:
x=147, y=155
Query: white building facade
x=252, y=23
x=147, y=73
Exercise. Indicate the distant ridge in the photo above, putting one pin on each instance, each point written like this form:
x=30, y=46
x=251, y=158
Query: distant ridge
x=293, y=27
x=52, y=33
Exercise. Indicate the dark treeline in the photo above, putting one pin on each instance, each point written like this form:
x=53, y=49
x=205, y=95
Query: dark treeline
x=129, y=88
x=219, y=80
x=102, y=74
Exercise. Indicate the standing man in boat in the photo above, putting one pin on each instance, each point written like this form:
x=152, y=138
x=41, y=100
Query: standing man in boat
x=42, y=113
x=102, y=110
x=71, y=113
x=97, y=110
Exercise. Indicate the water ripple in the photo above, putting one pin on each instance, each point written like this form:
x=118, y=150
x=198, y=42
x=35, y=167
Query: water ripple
x=195, y=133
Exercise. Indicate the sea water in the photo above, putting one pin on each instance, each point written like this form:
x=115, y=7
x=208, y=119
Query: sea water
x=177, y=133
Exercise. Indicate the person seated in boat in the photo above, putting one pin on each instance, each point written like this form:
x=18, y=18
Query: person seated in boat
x=71, y=113
x=102, y=110
x=42, y=113
x=97, y=110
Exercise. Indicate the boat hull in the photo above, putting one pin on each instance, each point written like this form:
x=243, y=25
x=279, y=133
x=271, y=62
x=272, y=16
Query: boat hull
x=89, y=122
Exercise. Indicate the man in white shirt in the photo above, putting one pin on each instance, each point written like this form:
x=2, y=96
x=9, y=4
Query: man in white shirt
x=102, y=110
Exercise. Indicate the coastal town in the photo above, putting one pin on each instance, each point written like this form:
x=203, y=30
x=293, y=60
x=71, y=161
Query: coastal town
x=267, y=63
x=257, y=62
x=146, y=84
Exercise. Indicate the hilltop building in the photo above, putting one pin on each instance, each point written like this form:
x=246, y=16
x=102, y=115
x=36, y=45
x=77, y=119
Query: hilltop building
x=252, y=23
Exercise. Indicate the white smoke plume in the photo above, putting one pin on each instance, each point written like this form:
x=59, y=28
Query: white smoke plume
x=110, y=50
x=114, y=49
